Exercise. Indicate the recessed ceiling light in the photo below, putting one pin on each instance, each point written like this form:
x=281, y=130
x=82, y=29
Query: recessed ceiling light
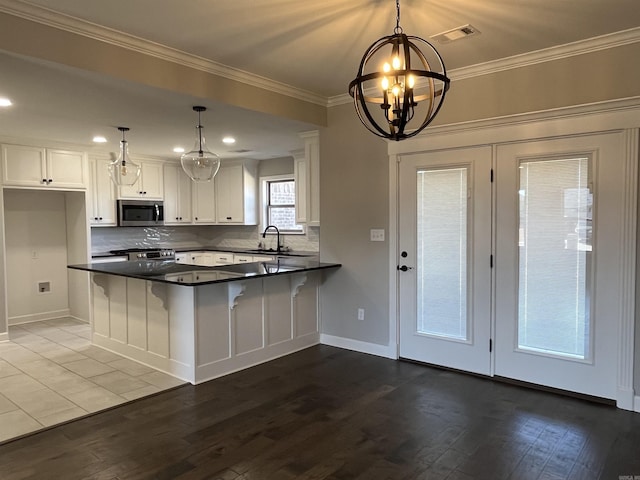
x=229, y=140
x=99, y=139
x=178, y=150
x=5, y=102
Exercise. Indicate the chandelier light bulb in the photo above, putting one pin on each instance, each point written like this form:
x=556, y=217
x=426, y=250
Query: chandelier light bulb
x=400, y=85
x=124, y=171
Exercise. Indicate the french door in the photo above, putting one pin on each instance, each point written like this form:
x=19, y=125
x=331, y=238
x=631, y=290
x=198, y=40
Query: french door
x=445, y=242
x=524, y=286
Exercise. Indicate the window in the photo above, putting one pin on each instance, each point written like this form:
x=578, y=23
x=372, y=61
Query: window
x=279, y=204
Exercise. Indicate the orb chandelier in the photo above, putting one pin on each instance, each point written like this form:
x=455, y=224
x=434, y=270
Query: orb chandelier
x=200, y=164
x=124, y=171
x=399, y=88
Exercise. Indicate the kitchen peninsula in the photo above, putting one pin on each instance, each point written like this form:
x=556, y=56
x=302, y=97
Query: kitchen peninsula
x=197, y=322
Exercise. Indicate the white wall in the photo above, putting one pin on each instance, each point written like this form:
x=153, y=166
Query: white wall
x=36, y=251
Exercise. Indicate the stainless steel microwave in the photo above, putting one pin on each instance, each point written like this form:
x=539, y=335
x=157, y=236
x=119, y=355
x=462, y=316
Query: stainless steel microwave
x=140, y=213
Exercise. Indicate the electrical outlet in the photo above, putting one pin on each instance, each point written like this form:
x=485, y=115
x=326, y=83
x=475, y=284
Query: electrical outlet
x=377, y=234
x=361, y=314
x=44, y=287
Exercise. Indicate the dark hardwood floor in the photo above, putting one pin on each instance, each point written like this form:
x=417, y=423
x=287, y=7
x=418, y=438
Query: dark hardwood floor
x=326, y=413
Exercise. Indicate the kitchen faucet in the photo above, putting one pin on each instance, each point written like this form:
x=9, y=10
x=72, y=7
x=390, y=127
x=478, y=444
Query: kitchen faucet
x=264, y=235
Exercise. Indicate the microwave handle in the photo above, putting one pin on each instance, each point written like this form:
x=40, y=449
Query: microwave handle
x=157, y=212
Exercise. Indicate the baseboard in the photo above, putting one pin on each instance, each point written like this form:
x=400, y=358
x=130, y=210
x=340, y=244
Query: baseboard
x=4, y=337
x=359, y=346
x=38, y=317
x=636, y=404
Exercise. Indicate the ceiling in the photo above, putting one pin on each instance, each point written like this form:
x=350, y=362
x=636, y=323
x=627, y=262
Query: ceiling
x=313, y=46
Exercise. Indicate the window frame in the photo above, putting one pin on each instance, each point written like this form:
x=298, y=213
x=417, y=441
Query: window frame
x=264, y=203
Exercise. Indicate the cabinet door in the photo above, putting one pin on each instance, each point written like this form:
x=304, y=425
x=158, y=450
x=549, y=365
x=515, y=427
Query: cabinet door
x=230, y=194
x=204, y=202
x=149, y=184
x=24, y=166
x=102, y=194
x=171, y=195
x=152, y=184
x=67, y=169
x=177, y=196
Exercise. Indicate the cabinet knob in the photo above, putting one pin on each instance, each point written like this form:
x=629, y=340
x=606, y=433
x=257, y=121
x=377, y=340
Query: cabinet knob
x=144, y=193
x=177, y=218
x=196, y=218
x=50, y=180
x=44, y=180
x=95, y=218
x=100, y=218
x=228, y=218
x=180, y=218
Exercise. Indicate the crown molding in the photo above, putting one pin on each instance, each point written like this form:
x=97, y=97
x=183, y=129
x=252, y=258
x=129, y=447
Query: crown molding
x=94, y=31
x=581, y=47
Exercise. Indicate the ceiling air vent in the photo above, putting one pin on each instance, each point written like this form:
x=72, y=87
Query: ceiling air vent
x=242, y=150
x=456, y=34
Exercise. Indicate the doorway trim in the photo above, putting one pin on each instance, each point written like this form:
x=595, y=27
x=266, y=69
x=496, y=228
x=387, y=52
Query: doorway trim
x=613, y=116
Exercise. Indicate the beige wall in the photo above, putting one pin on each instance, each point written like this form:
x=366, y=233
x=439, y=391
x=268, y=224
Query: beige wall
x=78, y=51
x=354, y=197
x=355, y=174
x=35, y=223
x=275, y=166
x=583, y=79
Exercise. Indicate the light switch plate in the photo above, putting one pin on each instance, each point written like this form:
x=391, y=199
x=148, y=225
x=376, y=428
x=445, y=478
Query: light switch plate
x=377, y=234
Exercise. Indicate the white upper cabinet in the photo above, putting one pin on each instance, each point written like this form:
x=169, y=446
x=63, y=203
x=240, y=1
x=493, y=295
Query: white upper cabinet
x=150, y=184
x=307, y=176
x=102, y=206
x=177, y=195
x=204, y=202
x=237, y=192
x=28, y=166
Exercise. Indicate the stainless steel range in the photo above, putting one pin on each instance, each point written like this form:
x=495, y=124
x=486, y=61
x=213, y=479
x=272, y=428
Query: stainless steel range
x=146, y=253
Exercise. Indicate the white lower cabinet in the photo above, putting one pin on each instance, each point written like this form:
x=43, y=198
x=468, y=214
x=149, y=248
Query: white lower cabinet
x=216, y=259
x=242, y=258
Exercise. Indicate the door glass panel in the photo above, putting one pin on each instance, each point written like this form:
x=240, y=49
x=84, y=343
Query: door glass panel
x=554, y=257
x=442, y=252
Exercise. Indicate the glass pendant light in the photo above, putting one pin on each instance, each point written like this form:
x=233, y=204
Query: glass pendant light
x=123, y=170
x=200, y=164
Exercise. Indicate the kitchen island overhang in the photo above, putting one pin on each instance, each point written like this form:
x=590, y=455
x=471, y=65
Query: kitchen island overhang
x=198, y=323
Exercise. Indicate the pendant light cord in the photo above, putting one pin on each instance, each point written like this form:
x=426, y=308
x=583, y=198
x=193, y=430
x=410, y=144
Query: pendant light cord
x=199, y=134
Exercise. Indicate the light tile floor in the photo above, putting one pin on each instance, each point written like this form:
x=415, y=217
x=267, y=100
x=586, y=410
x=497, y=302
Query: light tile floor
x=50, y=373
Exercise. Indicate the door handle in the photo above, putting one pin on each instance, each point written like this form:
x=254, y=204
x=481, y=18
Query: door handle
x=404, y=268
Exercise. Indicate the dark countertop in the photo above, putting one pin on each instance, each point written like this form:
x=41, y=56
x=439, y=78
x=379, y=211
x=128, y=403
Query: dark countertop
x=247, y=251
x=168, y=271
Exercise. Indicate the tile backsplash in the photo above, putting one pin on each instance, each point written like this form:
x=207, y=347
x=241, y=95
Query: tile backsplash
x=104, y=239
